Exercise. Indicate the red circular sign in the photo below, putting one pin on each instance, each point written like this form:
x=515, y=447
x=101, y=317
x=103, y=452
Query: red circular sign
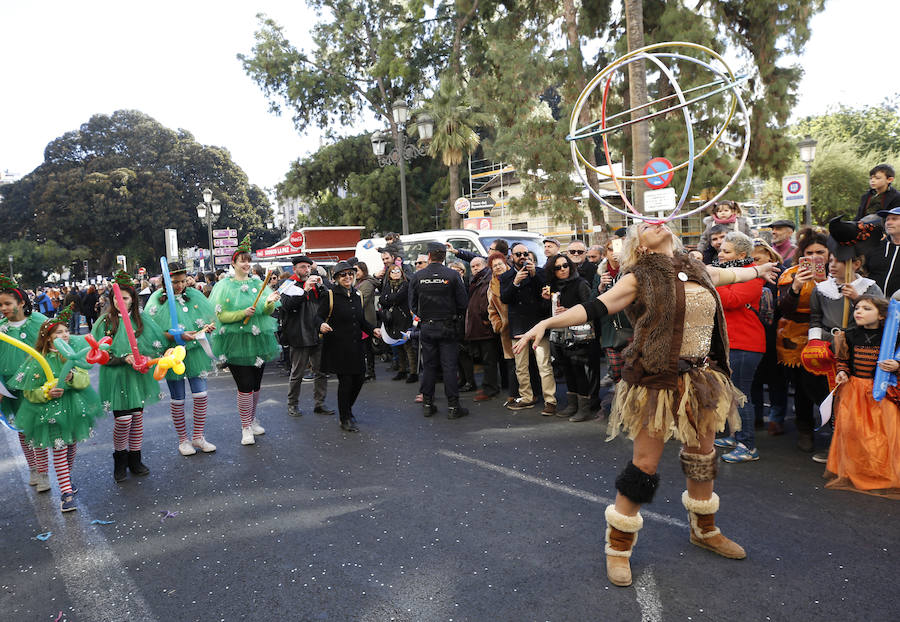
x=657, y=165
x=296, y=239
x=793, y=187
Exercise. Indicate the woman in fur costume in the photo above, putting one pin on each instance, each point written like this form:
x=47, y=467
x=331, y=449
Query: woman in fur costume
x=675, y=382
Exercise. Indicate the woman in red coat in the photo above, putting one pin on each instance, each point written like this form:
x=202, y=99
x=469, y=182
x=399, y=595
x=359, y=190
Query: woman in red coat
x=747, y=340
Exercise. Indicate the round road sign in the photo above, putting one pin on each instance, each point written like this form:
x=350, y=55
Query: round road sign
x=794, y=187
x=658, y=165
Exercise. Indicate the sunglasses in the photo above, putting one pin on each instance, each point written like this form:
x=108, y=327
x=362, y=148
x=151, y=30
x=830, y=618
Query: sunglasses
x=418, y=263
x=525, y=254
x=562, y=267
x=343, y=274
x=577, y=252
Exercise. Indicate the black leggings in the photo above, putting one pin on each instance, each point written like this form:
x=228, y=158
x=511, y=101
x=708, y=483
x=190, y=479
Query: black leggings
x=248, y=378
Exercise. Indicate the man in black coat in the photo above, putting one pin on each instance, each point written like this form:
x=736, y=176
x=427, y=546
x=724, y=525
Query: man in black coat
x=520, y=289
x=437, y=296
x=300, y=331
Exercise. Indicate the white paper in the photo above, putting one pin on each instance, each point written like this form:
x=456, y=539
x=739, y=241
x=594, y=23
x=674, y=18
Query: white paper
x=825, y=408
x=290, y=288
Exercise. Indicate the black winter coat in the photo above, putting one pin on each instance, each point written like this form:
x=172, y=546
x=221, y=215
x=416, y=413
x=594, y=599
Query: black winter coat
x=890, y=199
x=478, y=326
x=299, y=317
x=395, y=308
x=342, y=348
x=526, y=305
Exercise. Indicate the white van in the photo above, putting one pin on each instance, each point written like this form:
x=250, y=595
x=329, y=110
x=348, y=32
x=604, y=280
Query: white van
x=477, y=242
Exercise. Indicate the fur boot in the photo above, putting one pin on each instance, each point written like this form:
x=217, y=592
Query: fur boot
x=704, y=533
x=571, y=406
x=621, y=536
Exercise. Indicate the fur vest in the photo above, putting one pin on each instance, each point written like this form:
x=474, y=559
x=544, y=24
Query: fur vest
x=657, y=314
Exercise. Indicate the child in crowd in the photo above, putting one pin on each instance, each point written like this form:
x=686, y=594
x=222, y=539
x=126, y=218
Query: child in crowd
x=61, y=417
x=20, y=322
x=196, y=318
x=728, y=214
x=881, y=195
x=124, y=390
x=865, y=448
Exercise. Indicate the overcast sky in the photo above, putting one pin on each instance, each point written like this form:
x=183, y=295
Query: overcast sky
x=175, y=61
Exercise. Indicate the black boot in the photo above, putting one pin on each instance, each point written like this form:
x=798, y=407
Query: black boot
x=120, y=463
x=456, y=411
x=571, y=406
x=428, y=408
x=401, y=375
x=585, y=412
x=135, y=465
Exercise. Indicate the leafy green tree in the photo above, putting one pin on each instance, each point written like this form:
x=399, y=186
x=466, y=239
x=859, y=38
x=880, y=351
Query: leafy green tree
x=33, y=261
x=870, y=130
x=116, y=182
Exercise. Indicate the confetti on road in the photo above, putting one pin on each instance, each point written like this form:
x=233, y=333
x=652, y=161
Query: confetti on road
x=97, y=521
x=167, y=514
x=43, y=537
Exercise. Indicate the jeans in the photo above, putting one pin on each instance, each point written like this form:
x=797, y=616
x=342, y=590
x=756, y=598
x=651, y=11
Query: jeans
x=75, y=323
x=176, y=387
x=743, y=368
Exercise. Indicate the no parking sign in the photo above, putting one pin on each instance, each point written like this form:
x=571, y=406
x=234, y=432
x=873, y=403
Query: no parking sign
x=793, y=190
x=658, y=165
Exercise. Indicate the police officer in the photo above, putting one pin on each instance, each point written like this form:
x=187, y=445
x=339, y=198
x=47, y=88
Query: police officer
x=437, y=296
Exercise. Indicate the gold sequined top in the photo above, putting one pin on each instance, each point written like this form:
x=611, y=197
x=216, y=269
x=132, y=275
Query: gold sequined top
x=699, y=320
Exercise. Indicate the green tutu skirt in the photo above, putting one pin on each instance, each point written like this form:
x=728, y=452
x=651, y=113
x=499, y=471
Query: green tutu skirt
x=242, y=347
x=60, y=422
x=123, y=388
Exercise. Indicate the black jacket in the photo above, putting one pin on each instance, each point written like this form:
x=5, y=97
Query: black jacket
x=883, y=265
x=526, y=305
x=299, y=317
x=395, y=308
x=342, y=348
x=437, y=293
x=890, y=199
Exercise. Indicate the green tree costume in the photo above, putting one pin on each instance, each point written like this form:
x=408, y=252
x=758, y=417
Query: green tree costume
x=12, y=358
x=194, y=312
x=121, y=386
x=248, y=344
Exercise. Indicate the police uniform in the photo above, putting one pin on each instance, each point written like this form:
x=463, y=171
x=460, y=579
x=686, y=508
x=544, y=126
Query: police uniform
x=438, y=297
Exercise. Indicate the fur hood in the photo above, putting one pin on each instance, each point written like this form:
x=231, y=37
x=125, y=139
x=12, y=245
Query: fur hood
x=657, y=315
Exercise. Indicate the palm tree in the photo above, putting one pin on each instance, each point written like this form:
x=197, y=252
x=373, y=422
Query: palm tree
x=455, y=120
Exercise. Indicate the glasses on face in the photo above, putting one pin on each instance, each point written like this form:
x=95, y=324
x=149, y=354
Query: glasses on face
x=561, y=267
x=571, y=252
x=525, y=254
x=344, y=274
x=419, y=263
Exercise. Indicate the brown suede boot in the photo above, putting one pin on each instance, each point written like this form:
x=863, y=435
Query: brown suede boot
x=704, y=533
x=621, y=536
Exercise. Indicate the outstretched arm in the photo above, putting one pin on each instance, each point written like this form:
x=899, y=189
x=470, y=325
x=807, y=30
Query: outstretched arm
x=617, y=298
x=727, y=276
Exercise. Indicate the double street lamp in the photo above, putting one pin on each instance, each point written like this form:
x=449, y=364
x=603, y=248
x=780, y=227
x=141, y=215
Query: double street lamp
x=209, y=210
x=402, y=151
x=807, y=148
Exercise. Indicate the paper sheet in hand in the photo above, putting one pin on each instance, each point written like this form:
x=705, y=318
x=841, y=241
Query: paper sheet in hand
x=825, y=408
x=290, y=288
x=388, y=340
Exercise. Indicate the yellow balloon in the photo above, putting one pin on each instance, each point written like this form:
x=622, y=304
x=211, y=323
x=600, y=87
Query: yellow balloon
x=32, y=353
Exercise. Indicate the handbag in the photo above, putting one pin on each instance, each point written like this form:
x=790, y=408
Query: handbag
x=573, y=336
x=623, y=335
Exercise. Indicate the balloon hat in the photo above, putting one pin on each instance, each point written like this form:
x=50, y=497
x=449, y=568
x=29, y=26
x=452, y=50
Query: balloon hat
x=724, y=81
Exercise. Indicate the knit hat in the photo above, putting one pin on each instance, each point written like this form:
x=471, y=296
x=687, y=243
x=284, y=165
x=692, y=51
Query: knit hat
x=243, y=247
x=123, y=279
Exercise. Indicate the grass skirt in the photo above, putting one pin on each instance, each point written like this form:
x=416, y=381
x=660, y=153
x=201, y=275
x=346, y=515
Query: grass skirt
x=865, y=449
x=703, y=403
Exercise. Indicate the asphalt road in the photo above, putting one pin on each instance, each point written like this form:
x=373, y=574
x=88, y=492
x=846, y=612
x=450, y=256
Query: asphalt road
x=494, y=517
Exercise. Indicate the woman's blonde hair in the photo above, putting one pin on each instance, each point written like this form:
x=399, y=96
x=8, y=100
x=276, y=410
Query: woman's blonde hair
x=774, y=255
x=631, y=252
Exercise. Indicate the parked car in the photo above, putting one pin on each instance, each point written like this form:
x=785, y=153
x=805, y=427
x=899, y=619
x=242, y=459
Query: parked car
x=476, y=241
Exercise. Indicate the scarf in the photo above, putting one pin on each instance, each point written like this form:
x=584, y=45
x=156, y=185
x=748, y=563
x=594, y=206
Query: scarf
x=733, y=263
x=726, y=221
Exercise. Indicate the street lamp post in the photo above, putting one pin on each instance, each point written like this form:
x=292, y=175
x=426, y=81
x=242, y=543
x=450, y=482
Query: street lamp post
x=11, y=275
x=209, y=210
x=807, y=148
x=403, y=151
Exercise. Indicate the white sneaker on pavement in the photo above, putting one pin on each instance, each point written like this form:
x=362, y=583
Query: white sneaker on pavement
x=257, y=429
x=247, y=437
x=43, y=484
x=203, y=445
x=33, y=477
x=185, y=448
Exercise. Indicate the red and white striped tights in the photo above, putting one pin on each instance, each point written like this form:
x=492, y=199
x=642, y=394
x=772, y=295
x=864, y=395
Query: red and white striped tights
x=63, y=459
x=128, y=432
x=177, y=409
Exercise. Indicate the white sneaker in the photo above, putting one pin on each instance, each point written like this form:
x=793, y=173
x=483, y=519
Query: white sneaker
x=247, y=437
x=204, y=445
x=43, y=483
x=33, y=477
x=186, y=449
x=257, y=429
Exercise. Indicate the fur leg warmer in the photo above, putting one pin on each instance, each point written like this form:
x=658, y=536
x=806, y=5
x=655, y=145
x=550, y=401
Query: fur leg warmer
x=636, y=485
x=699, y=467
